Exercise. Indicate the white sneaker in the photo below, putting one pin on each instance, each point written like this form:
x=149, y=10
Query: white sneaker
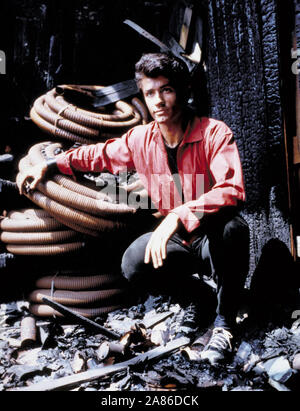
x=218, y=346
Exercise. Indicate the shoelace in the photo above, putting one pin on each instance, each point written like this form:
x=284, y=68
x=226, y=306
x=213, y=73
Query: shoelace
x=220, y=339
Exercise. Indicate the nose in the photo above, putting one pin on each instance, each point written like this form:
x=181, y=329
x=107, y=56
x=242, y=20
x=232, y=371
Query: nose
x=158, y=100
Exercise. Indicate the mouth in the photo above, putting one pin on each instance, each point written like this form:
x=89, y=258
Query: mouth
x=160, y=112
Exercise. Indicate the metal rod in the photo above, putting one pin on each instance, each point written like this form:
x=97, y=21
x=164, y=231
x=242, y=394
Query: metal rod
x=84, y=321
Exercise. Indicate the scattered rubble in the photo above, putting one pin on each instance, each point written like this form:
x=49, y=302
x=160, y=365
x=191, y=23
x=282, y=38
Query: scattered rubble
x=71, y=356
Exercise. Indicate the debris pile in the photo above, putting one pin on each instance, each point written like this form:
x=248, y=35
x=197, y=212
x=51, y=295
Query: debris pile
x=157, y=349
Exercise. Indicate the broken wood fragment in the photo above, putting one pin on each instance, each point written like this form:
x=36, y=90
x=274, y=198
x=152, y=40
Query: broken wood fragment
x=156, y=319
x=278, y=386
x=94, y=374
x=79, y=318
x=91, y=364
x=160, y=334
x=78, y=363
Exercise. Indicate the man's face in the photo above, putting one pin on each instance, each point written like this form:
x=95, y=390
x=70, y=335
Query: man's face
x=161, y=99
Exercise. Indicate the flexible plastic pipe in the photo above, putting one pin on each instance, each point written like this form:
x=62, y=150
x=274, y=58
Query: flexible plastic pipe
x=79, y=202
x=59, y=106
x=40, y=225
x=57, y=117
x=67, y=182
x=46, y=311
x=70, y=207
x=56, y=131
x=80, y=189
x=20, y=215
x=54, y=237
x=75, y=227
x=58, y=121
x=44, y=250
x=71, y=215
x=126, y=118
x=76, y=298
x=79, y=283
x=142, y=109
x=36, y=213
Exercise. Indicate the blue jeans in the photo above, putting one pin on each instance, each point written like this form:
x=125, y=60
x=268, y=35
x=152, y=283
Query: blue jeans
x=219, y=253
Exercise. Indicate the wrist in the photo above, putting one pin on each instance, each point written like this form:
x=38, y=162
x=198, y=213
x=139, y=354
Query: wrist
x=51, y=165
x=174, y=217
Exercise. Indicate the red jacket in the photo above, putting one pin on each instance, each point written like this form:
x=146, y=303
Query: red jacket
x=208, y=164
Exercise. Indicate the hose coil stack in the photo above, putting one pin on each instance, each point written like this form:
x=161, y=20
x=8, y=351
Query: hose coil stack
x=35, y=232
x=57, y=116
x=88, y=295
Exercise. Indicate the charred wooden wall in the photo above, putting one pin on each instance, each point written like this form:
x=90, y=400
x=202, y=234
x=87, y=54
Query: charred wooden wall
x=54, y=42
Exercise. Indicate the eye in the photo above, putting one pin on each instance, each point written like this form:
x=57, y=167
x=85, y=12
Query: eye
x=168, y=90
x=149, y=93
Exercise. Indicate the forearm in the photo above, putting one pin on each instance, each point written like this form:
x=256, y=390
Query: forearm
x=212, y=202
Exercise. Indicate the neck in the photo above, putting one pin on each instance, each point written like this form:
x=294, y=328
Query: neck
x=173, y=132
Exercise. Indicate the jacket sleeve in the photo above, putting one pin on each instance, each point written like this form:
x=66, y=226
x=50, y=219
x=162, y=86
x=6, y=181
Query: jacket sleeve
x=227, y=181
x=113, y=156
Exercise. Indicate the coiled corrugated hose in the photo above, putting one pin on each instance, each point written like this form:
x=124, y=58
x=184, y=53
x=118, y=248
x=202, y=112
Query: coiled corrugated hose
x=46, y=311
x=87, y=293
x=67, y=196
x=44, y=250
x=78, y=298
x=27, y=232
x=60, y=118
x=79, y=282
x=83, y=209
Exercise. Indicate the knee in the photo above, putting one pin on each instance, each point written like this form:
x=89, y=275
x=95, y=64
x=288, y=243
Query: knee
x=237, y=230
x=133, y=259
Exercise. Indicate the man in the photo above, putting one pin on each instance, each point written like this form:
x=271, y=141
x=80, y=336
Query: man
x=191, y=169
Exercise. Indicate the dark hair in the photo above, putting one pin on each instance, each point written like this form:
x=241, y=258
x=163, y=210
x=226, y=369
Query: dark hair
x=174, y=69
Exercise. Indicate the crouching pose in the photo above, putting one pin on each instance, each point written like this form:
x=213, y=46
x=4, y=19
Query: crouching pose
x=191, y=169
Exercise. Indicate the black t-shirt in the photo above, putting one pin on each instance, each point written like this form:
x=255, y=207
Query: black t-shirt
x=172, y=159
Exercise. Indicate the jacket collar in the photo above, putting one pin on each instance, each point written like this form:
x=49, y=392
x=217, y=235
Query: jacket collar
x=194, y=132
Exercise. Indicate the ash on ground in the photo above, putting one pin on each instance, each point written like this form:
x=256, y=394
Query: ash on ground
x=264, y=356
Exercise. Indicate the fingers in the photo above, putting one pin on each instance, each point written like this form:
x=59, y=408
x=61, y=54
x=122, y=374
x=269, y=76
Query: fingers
x=36, y=174
x=24, y=179
x=34, y=183
x=21, y=183
x=156, y=251
x=147, y=254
